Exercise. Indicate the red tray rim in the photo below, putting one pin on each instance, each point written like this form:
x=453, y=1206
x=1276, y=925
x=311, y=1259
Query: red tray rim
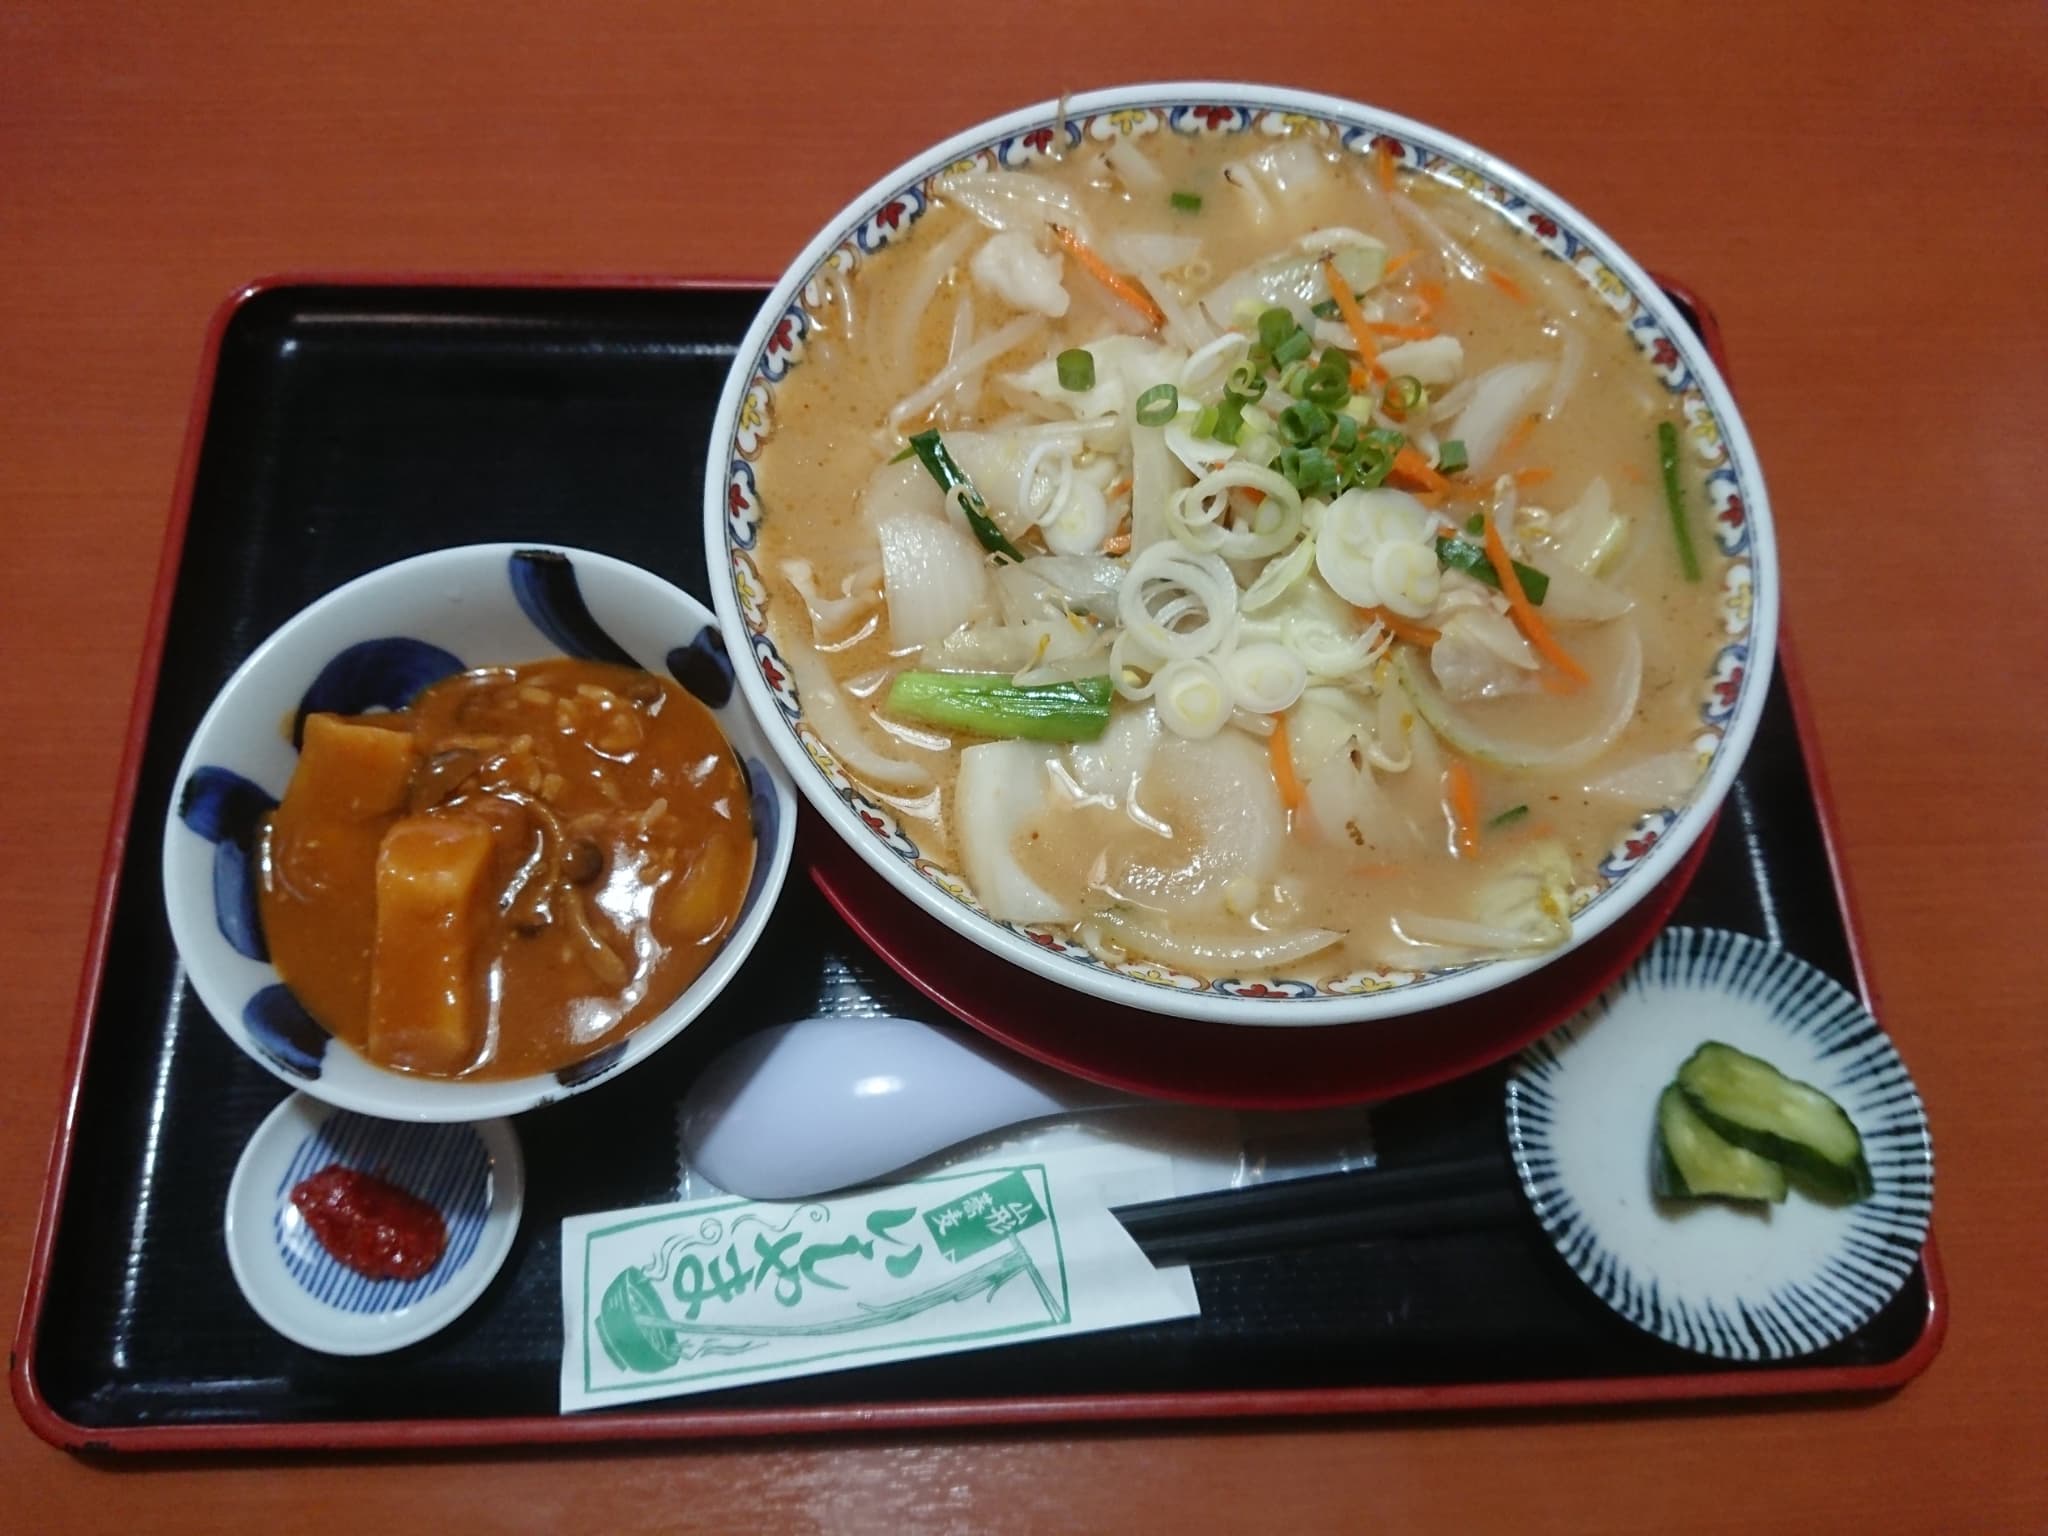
x=697, y=1423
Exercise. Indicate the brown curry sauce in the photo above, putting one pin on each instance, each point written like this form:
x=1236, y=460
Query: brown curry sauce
x=520, y=868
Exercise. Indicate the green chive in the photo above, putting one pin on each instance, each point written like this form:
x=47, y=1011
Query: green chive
x=909, y=451
x=1513, y=813
x=1674, y=497
x=932, y=451
x=1451, y=457
x=1076, y=368
x=1158, y=405
x=1472, y=560
x=1476, y=525
x=1187, y=202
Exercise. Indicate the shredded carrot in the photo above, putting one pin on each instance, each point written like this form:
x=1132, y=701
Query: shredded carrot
x=1117, y=543
x=1401, y=332
x=1536, y=476
x=1277, y=745
x=1125, y=288
x=1403, y=628
x=1119, y=488
x=1430, y=291
x=1463, y=798
x=1359, y=378
x=1507, y=285
x=1383, y=163
x=1396, y=263
x=1354, y=317
x=1524, y=611
x=1416, y=472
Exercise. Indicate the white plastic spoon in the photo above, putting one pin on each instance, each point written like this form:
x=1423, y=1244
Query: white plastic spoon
x=826, y=1103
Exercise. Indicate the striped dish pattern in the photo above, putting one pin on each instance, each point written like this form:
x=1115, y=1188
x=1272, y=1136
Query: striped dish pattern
x=447, y=1166
x=1882, y=1236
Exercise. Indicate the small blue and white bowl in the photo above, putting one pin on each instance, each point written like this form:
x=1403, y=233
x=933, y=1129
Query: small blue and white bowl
x=1723, y=1278
x=374, y=644
x=472, y=1175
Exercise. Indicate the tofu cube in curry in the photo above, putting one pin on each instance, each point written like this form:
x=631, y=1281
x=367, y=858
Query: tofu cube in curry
x=433, y=900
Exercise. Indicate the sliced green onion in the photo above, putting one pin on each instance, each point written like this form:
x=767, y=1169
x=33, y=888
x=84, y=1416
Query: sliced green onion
x=1247, y=383
x=1158, y=405
x=1344, y=435
x=1303, y=423
x=932, y=452
x=1205, y=422
x=1187, y=202
x=1309, y=470
x=1471, y=559
x=1451, y=457
x=1512, y=814
x=1674, y=497
x=1275, y=326
x=1384, y=441
x=1403, y=394
x=1076, y=368
x=1369, y=474
x=1324, y=309
x=989, y=704
x=1294, y=348
x=1330, y=387
x=1476, y=525
x=1229, y=423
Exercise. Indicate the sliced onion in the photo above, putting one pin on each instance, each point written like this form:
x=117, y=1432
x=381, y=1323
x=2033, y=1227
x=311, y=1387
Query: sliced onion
x=1654, y=781
x=1575, y=598
x=1278, y=576
x=1455, y=933
x=976, y=357
x=1500, y=398
x=1132, y=168
x=1192, y=698
x=1001, y=786
x=1597, y=713
x=1178, y=605
x=830, y=616
x=1155, y=250
x=1199, y=516
x=1433, y=361
x=935, y=577
x=1211, y=954
x=1208, y=366
x=827, y=713
x=1013, y=200
x=1571, y=366
x=1264, y=678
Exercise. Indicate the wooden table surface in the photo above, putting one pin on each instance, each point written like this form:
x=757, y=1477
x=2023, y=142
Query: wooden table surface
x=1859, y=194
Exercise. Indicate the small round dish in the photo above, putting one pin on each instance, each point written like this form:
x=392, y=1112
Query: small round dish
x=1711, y=1276
x=472, y=1174
x=374, y=644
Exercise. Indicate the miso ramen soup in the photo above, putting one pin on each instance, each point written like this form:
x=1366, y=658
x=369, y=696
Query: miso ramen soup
x=1235, y=557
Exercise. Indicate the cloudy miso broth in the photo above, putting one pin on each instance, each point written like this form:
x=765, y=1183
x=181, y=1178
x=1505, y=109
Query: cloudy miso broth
x=1288, y=586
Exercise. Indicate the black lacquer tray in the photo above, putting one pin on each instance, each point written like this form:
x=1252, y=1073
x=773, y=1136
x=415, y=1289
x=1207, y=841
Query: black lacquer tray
x=341, y=426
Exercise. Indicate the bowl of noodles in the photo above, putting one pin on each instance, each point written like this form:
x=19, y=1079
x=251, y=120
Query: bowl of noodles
x=1242, y=554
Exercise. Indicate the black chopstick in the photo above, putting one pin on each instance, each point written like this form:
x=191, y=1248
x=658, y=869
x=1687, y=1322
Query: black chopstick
x=1326, y=1208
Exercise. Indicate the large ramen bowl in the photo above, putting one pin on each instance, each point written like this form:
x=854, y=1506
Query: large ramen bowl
x=373, y=645
x=1729, y=688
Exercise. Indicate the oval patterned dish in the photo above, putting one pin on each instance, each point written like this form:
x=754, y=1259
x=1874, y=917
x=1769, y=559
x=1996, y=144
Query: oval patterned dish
x=1740, y=1282
x=373, y=644
x=472, y=1176
x=1730, y=692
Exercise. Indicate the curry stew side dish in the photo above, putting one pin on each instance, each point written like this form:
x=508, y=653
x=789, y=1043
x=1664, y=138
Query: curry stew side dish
x=1234, y=556
x=518, y=869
